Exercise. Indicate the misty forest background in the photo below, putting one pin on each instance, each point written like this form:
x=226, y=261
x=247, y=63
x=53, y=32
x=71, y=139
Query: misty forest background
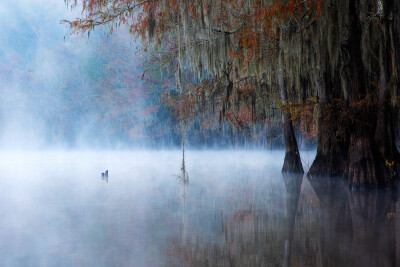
x=70, y=91
x=237, y=74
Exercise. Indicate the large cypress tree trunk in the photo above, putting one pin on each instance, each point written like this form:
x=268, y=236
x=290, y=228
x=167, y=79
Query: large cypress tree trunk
x=384, y=134
x=358, y=139
x=332, y=148
x=366, y=164
x=331, y=157
x=292, y=162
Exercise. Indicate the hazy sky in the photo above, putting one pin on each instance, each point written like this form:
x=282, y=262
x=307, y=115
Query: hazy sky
x=31, y=68
x=63, y=91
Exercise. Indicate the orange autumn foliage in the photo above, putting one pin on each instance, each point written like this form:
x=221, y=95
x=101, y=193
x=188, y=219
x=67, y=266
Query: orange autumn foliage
x=251, y=28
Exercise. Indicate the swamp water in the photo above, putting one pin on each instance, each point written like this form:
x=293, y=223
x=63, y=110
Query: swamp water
x=236, y=210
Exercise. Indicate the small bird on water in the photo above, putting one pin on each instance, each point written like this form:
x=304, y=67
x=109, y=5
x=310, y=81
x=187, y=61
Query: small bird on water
x=104, y=176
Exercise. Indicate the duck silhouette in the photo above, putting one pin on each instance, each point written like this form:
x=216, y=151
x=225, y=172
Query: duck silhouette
x=104, y=176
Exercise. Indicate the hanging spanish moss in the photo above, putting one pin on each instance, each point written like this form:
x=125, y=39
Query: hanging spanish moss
x=330, y=66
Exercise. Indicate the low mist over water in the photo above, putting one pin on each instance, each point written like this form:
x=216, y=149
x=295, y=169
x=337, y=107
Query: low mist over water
x=237, y=208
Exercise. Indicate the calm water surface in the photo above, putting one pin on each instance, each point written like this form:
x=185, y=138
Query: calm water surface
x=237, y=209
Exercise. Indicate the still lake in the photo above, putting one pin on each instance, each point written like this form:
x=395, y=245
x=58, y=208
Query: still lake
x=236, y=209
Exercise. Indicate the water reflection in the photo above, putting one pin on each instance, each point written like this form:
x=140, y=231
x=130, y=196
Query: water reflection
x=373, y=239
x=356, y=228
x=258, y=232
x=293, y=187
x=237, y=210
x=321, y=223
x=183, y=179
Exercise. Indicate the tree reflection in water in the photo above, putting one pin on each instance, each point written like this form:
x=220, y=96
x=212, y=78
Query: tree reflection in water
x=184, y=181
x=293, y=186
x=315, y=222
x=357, y=228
